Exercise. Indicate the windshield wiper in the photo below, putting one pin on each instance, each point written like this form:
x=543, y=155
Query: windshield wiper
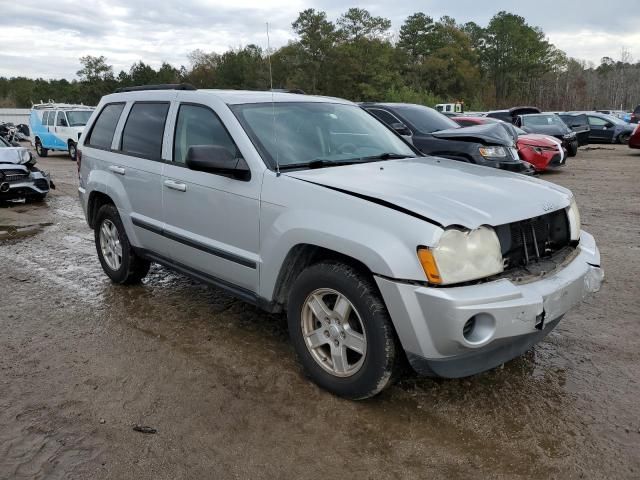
x=322, y=162
x=386, y=156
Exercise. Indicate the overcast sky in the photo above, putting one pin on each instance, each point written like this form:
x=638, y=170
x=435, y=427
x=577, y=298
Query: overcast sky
x=40, y=41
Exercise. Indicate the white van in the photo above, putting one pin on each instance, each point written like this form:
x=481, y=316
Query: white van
x=57, y=126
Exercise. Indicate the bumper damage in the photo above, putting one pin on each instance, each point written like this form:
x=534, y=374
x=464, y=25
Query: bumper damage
x=460, y=331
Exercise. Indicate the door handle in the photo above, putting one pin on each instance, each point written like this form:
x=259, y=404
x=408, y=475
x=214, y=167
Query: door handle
x=181, y=187
x=116, y=169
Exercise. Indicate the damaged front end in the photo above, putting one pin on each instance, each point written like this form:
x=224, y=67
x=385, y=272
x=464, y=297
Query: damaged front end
x=19, y=176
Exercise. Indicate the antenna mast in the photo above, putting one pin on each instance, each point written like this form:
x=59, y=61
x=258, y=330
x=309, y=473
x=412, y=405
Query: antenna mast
x=273, y=103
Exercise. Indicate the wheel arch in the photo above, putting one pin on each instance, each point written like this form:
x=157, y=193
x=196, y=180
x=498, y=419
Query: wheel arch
x=96, y=200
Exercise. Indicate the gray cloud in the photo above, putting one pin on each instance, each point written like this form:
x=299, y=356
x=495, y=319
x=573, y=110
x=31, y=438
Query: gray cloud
x=49, y=41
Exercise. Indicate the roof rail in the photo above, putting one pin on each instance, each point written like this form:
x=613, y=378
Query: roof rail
x=164, y=86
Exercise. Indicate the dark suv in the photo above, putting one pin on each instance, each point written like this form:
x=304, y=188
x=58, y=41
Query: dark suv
x=432, y=133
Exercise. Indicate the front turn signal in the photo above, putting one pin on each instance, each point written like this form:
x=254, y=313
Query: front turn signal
x=425, y=255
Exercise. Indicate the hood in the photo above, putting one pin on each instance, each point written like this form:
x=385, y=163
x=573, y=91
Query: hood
x=15, y=155
x=444, y=191
x=547, y=129
x=488, y=134
x=538, y=140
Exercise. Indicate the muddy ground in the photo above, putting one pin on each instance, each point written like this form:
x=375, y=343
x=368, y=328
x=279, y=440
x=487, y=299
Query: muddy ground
x=82, y=361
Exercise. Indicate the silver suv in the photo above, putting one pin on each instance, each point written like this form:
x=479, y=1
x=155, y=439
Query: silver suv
x=310, y=205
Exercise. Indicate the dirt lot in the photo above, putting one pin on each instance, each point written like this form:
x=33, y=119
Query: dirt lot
x=82, y=361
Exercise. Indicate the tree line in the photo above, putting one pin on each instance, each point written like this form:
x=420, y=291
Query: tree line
x=507, y=62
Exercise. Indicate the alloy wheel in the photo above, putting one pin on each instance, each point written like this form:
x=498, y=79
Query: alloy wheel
x=110, y=245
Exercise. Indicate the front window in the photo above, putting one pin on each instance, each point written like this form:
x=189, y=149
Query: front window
x=303, y=132
x=425, y=119
x=542, y=121
x=78, y=118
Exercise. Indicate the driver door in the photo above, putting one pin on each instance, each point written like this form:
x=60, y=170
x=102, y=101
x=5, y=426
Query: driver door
x=211, y=220
x=601, y=130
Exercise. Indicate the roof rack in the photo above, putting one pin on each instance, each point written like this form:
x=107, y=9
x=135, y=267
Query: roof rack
x=164, y=86
x=60, y=106
x=288, y=90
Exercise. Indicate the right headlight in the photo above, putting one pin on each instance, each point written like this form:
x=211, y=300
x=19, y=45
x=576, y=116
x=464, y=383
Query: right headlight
x=574, y=219
x=462, y=256
x=493, y=152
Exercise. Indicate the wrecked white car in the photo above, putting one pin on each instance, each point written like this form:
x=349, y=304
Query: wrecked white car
x=19, y=177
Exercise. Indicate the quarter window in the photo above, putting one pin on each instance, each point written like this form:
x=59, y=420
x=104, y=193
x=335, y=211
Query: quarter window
x=198, y=125
x=143, y=132
x=101, y=135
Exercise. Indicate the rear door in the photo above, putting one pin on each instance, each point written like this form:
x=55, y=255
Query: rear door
x=137, y=172
x=212, y=220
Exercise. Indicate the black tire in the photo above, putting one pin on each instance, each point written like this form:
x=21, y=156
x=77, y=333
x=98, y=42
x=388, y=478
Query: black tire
x=132, y=268
x=572, y=151
x=623, y=138
x=72, y=150
x=382, y=359
x=40, y=150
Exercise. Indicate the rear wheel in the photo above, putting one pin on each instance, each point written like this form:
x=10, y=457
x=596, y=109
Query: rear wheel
x=118, y=260
x=341, y=331
x=72, y=150
x=40, y=150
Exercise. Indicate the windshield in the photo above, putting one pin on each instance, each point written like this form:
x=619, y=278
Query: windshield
x=78, y=118
x=542, y=120
x=425, y=119
x=3, y=143
x=300, y=132
x=615, y=120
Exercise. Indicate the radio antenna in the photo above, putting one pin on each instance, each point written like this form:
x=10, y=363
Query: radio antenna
x=273, y=103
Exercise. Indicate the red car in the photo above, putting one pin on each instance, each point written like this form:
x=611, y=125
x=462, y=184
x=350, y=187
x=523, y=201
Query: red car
x=541, y=151
x=634, y=140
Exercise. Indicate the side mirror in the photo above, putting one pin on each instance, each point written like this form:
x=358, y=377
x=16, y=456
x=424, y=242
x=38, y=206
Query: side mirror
x=401, y=128
x=608, y=125
x=217, y=159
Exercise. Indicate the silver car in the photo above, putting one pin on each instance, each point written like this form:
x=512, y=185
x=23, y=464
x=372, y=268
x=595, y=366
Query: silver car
x=311, y=206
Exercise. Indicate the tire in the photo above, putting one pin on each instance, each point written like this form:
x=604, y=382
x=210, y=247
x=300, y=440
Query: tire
x=572, y=151
x=130, y=268
x=72, y=150
x=623, y=138
x=40, y=150
x=368, y=326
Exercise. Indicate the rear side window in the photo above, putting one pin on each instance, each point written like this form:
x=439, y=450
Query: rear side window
x=45, y=116
x=143, y=132
x=198, y=125
x=104, y=127
x=50, y=118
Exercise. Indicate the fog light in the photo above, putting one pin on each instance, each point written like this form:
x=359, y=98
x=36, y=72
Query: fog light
x=479, y=329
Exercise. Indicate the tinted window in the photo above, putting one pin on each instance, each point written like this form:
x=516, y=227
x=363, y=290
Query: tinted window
x=61, y=120
x=142, y=134
x=199, y=126
x=101, y=134
x=425, y=119
x=386, y=117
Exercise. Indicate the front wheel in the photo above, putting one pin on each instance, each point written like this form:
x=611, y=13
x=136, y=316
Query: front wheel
x=118, y=260
x=341, y=331
x=572, y=151
x=72, y=150
x=623, y=138
x=40, y=150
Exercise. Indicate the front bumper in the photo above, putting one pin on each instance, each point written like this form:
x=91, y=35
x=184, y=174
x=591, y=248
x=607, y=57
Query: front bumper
x=509, y=317
x=37, y=184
